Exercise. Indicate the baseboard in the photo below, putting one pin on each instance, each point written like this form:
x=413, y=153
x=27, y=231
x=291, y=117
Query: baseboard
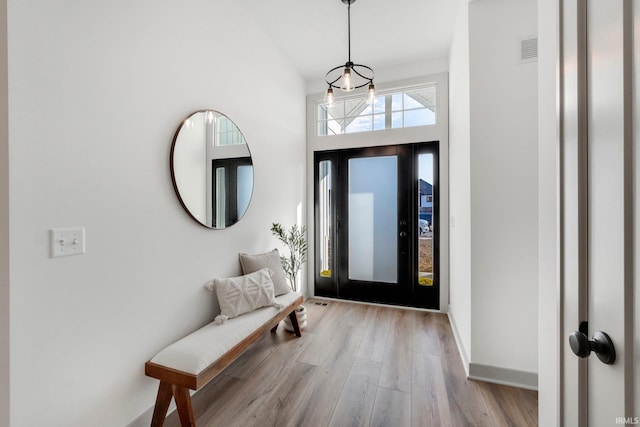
x=461, y=349
x=492, y=374
x=144, y=420
x=402, y=307
x=510, y=377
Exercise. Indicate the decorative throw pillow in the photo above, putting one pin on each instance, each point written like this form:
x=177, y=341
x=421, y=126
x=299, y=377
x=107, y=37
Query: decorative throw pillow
x=270, y=260
x=243, y=294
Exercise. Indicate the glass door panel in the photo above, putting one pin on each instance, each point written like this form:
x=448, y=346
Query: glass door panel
x=373, y=219
x=425, y=219
x=426, y=287
x=220, y=207
x=324, y=218
x=326, y=224
x=245, y=188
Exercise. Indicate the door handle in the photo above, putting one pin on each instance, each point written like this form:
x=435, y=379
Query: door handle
x=601, y=345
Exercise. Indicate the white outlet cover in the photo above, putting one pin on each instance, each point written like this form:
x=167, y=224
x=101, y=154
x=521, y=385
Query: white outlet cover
x=66, y=241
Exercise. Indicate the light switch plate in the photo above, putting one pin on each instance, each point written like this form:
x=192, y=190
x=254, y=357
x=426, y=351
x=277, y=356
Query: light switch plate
x=66, y=241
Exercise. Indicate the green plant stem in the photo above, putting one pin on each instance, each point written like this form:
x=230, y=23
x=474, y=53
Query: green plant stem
x=296, y=242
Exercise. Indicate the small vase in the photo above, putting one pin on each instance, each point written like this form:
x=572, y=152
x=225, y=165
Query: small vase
x=301, y=312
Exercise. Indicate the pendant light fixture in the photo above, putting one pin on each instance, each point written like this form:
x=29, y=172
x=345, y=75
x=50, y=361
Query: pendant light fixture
x=349, y=76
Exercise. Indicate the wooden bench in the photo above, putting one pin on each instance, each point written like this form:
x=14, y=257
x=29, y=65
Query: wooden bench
x=196, y=359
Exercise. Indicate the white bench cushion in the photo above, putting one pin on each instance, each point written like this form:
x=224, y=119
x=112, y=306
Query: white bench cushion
x=195, y=352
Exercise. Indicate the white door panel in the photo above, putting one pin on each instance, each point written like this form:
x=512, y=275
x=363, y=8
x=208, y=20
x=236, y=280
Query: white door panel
x=599, y=159
x=607, y=188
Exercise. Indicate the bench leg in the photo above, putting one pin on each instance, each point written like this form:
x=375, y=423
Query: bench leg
x=275, y=328
x=165, y=393
x=185, y=410
x=294, y=322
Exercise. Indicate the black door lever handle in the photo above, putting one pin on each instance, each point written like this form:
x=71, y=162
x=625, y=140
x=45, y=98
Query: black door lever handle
x=601, y=345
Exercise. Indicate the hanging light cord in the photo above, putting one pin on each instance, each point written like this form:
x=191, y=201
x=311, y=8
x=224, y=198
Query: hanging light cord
x=362, y=71
x=349, y=28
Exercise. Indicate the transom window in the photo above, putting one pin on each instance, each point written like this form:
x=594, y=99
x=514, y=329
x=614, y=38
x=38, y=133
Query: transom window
x=227, y=132
x=395, y=109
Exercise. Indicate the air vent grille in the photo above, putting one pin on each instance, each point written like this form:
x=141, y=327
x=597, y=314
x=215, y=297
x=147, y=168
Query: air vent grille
x=528, y=49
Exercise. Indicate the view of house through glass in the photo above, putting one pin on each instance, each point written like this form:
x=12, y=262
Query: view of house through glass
x=425, y=219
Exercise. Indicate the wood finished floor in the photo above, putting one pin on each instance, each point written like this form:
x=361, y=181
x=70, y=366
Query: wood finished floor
x=358, y=365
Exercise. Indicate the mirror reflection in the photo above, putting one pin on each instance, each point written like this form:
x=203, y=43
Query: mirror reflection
x=211, y=169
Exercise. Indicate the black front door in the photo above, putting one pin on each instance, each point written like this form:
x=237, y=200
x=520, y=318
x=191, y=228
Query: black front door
x=370, y=225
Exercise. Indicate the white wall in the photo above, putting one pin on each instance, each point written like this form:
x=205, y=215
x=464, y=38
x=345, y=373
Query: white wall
x=97, y=90
x=499, y=323
x=460, y=184
x=504, y=185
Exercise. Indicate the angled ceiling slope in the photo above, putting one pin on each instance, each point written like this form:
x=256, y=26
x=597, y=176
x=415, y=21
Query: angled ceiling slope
x=384, y=33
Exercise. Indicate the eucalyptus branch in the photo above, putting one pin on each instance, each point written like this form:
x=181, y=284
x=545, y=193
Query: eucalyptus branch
x=296, y=242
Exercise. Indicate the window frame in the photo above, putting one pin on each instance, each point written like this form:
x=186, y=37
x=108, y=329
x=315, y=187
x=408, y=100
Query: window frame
x=322, y=122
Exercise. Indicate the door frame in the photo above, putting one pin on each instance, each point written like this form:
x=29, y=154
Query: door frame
x=438, y=132
x=231, y=166
x=405, y=291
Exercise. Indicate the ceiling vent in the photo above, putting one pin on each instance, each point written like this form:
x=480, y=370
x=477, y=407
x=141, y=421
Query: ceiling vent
x=528, y=49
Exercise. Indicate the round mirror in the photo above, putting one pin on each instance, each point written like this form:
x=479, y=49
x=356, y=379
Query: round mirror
x=211, y=169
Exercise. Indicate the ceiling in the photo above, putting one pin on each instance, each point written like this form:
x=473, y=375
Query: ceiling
x=384, y=33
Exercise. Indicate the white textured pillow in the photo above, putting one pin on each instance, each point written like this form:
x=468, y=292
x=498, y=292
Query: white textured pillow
x=243, y=294
x=270, y=260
